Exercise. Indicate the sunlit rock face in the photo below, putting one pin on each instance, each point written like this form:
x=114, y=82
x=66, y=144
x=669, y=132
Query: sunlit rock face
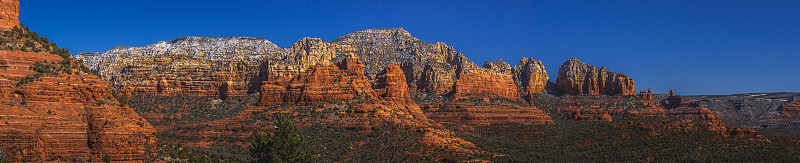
x=235, y=66
x=69, y=116
x=576, y=77
x=10, y=14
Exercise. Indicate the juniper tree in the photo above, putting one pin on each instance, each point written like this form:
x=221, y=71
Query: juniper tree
x=283, y=145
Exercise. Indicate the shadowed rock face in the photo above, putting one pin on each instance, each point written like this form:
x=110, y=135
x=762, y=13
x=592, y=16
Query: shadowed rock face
x=10, y=14
x=70, y=116
x=531, y=75
x=576, y=77
x=752, y=110
x=693, y=111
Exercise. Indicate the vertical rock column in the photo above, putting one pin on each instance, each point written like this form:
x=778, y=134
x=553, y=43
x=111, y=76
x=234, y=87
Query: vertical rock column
x=10, y=14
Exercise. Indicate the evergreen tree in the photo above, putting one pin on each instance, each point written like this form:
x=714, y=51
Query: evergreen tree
x=283, y=145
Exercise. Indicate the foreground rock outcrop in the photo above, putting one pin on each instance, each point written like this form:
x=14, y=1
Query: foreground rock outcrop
x=10, y=14
x=65, y=116
x=576, y=77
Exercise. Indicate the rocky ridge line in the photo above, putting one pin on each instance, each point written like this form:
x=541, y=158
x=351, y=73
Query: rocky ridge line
x=207, y=65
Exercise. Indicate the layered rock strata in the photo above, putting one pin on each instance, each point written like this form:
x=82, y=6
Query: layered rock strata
x=576, y=77
x=391, y=66
x=604, y=108
x=751, y=110
x=342, y=81
x=10, y=14
x=391, y=85
x=485, y=85
x=70, y=116
x=215, y=67
x=468, y=113
x=677, y=107
x=790, y=110
x=235, y=66
x=345, y=82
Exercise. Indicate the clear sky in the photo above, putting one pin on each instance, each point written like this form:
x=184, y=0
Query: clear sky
x=692, y=46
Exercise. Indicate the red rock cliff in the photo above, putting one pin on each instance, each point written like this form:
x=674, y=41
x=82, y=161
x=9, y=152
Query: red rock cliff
x=486, y=85
x=391, y=85
x=576, y=77
x=531, y=75
x=342, y=81
x=10, y=14
x=69, y=116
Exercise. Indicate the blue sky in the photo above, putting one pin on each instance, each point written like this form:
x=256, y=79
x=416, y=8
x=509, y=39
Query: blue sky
x=693, y=46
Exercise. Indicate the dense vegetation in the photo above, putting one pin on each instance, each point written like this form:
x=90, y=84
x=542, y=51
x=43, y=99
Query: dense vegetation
x=321, y=131
x=198, y=108
x=171, y=152
x=635, y=139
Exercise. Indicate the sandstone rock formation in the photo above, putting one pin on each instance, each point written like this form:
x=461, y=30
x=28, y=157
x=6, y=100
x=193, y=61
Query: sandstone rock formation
x=345, y=82
x=750, y=110
x=576, y=77
x=235, y=66
x=592, y=108
x=646, y=95
x=302, y=74
x=791, y=110
x=321, y=84
x=463, y=113
x=531, y=75
x=485, y=85
x=785, y=115
x=215, y=67
x=391, y=85
x=69, y=116
x=10, y=14
x=688, y=110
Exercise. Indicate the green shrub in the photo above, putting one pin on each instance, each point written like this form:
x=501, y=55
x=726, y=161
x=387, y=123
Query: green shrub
x=284, y=145
x=4, y=160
